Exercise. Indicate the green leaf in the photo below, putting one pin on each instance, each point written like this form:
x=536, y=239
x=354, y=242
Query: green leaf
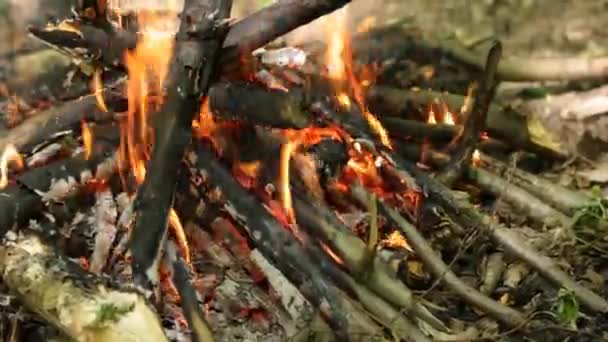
x=567, y=308
x=533, y=93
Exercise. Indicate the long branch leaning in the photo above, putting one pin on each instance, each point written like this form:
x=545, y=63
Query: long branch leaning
x=192, y=70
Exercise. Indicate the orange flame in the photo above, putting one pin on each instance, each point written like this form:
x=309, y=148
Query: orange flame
x=147, y=67
x=304, y=137
x=9, y=155
x=339, y=61
x=87, y=140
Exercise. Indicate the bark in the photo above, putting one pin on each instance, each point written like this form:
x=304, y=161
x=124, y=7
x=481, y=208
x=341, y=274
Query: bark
x=78, y=303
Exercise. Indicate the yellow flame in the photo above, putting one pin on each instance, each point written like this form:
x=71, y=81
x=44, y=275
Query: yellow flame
x=339, y=61
x=9, y=155
x=285, y=192
x=448, y=118
x=98, y=90
x=179, y=235
x=476, y=158
x=87, y=140
x=147, y=67
x=431, y=119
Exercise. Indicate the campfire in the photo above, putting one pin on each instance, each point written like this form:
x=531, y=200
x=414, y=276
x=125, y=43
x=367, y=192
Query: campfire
x=214, y=185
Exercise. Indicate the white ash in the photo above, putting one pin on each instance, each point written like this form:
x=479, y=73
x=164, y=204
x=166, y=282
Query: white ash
x=296, y=305
x=283, y=57
x=105, y=229
x=44, y=155
x=270, y=81
x=59, y=189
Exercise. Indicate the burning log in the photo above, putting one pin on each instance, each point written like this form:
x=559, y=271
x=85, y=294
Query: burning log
x=54, y=182
x=189, y=300
x=78, y=303
x=267, y=235
x=475, y=121
x=192, y=69
x=100, y=45
x=45, y=125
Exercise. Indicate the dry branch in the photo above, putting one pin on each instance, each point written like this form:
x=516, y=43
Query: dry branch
x=191, y=72
x=440, y=270
x=78, y=303
x=466, y=215
x=501, y=123
x=352, y=250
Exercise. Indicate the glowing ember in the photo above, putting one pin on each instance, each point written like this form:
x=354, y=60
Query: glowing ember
x=476, y=158
x=87, y=140
x=344, y=100
x=9, y=155
x=98, y=90
x=468, y=100
x=179, y=235
x=205, y=125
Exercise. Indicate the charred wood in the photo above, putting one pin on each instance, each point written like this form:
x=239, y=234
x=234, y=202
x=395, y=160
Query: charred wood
x=269, y=237
x=191, y=73
x=109, y=46
x=475, y=121
x=26, y=198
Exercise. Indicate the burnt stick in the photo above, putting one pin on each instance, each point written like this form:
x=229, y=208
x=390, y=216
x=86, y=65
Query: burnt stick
x=475, y=122
x=198, y=42
x=23, y=200
x=99, y=45
x=268, y=236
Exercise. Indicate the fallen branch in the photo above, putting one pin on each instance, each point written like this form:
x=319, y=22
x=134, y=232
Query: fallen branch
x=569, y=106
x=191, y=72
x=440, y=270
x=353, y=252
x=470, y=218
x=475, y=122
x=519, y=69
x=78, y=303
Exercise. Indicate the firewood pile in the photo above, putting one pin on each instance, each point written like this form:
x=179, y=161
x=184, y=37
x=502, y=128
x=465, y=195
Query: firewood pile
x=218, y=184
